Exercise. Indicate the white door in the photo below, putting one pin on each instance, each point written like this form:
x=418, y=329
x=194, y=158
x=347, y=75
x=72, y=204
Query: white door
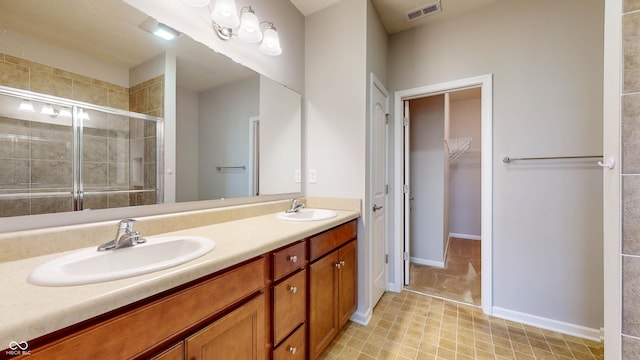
x=379, y=188
x=407, y=193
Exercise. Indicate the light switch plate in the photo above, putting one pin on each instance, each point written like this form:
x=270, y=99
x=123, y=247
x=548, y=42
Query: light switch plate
x=298, y=176
x=313, y=176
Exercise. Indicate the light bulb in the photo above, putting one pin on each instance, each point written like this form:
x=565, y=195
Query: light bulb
x=225, y=14
x=271, y=43
x=47, y=109
x=249, y=27
x=26, y=105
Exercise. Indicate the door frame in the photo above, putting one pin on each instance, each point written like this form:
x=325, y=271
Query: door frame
x=485, y=82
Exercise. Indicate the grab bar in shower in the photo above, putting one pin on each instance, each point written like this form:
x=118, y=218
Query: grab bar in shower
x=219, y=168
x=508, y=159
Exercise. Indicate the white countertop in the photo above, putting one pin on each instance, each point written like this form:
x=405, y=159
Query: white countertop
x=28, y=311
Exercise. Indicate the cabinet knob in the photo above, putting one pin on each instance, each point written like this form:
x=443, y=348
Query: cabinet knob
x=292, y=350
x=293, y=289
x=293, y=258
x=342, y=263
x=338, y=265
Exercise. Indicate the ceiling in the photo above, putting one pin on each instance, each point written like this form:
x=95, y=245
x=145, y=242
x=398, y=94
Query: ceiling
x=392, y=11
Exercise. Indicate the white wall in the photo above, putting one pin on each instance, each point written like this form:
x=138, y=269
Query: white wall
x=335, y=111
x=427, y=180
x=280, y=138
x=546, y=61
x=223, y=137
x=187, y=142
x=464, y=177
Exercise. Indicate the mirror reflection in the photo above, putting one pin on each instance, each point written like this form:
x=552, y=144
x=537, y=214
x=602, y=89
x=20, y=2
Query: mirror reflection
x=237, y=133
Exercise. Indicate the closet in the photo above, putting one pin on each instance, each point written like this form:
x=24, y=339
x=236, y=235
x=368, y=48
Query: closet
x=445, y=142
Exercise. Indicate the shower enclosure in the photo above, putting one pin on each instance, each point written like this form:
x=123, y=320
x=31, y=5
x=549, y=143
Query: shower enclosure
x=60, y=155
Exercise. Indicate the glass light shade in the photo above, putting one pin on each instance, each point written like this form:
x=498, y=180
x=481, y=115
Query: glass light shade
x=196, y=3
x=249, y=28
x=26, y=105
x=47, y=109
x=271, y=43
x=64, y=112
x=225, y=14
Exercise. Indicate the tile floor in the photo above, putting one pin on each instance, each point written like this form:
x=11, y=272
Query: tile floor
x=459, y=279
x=408, y=325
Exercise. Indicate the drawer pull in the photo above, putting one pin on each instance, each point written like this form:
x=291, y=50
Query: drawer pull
x=293, y=259
x=292, y=350
x=293, y=289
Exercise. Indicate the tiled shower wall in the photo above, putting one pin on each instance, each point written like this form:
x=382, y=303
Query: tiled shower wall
x=119, y=154
x=630, y=129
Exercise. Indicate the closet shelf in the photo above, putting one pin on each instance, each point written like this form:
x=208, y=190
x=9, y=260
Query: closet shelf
x=457, y=146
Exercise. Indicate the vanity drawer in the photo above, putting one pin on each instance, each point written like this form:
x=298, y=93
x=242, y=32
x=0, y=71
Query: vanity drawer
x=293, y=348
x=332, y=239
x=288, y=260
x=289, y=305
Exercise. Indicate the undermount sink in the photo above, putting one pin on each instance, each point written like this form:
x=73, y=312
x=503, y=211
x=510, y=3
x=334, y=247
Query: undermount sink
x=307, y=215
x=88, y=266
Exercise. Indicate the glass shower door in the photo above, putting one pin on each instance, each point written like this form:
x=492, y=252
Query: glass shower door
x=36, y=157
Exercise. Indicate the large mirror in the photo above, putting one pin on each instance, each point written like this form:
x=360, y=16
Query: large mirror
x=237, y=133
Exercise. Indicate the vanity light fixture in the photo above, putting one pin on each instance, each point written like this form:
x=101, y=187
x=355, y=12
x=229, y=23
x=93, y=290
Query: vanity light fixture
x=247, y=27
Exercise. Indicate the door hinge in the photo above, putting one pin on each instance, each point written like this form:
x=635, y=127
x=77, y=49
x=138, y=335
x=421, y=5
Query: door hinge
x=386, y=189
x=405, y=121
x=387, y=116
x=405, y=189
x=386, y=259
x=405, y=256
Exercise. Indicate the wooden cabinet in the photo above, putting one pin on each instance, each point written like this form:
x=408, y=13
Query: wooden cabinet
x=240, y=335
x=332, y=285
x=175, y=352
x=289, y=302
x=143, y=329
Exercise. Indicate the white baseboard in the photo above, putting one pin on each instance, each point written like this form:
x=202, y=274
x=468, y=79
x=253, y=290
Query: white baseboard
x=362, y=318
x=549, y=324
x=465, y=236
x=427, y=262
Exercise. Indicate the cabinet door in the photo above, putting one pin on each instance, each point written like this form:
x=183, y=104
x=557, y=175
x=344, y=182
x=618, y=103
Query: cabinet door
x=348, y=282
x=240, y=335
x=289, y=305
x=175, y=352
x=293, y=348
x=323, y=303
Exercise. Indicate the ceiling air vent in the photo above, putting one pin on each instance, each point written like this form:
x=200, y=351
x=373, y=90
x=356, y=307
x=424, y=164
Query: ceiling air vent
x=423, y=11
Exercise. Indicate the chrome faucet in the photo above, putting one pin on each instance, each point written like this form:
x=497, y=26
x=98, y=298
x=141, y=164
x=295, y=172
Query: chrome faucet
x=125, y=237
x=295, y=206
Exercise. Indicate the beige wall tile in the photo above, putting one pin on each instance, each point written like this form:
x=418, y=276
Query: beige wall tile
x=631, y=215
x=631, y=5
x=630, y=134
x=14, y=76
x=118, y=99
x=631, y=50
x=89, y=93
x=630, y=298
x=630, y=348
x=46, y=83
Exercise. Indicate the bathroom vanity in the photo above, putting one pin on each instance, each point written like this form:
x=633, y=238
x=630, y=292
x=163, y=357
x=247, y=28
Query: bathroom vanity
x=284, y=297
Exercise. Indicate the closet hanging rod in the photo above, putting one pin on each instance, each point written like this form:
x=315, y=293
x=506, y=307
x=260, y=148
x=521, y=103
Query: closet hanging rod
x=507, y=159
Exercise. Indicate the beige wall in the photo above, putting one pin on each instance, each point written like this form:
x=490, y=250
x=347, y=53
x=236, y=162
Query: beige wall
x=546, y=61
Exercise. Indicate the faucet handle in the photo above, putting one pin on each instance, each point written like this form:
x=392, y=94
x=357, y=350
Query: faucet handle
x=127, y=224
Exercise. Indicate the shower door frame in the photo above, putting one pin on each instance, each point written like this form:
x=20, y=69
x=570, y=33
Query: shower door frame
x=77, y=128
